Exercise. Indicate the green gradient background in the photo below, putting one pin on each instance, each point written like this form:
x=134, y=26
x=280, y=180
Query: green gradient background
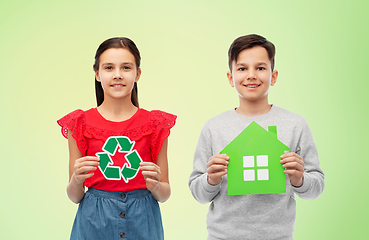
x=47, y=50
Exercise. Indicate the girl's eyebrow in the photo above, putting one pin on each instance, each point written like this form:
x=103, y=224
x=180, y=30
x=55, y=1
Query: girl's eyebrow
x=123, y=63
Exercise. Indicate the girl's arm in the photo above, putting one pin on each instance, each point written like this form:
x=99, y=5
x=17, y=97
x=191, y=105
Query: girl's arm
x=79, y=167
x=156, y=175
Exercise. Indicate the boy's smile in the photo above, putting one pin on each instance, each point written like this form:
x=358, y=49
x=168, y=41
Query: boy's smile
x=252, y=75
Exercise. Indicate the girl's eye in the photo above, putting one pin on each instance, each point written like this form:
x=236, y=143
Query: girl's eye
x=108, y=67
x=126, y=67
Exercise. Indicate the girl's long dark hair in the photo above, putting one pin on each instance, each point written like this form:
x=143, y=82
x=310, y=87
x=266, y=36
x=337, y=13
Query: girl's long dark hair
x=117, y=42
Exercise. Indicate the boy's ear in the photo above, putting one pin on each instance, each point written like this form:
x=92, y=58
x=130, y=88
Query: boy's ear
x=230, y=78
x=138, y=75
x=97, y=76
x=274, y=77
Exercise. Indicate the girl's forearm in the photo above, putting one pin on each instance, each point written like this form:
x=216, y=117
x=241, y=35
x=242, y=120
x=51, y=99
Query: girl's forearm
x=75, y=190
x=162, y=192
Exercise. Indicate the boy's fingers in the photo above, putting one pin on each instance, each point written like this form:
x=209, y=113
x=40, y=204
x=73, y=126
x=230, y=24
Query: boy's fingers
x=216, y=168
x=292, y=159
x=293, y=165
x=217, y=161
x=217, y=174
x=221, y=156
x=291, y=154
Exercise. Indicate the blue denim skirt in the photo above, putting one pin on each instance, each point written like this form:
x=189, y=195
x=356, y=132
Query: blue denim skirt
x=111, y=215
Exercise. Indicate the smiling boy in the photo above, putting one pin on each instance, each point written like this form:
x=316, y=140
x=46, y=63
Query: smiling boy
x=259, y=216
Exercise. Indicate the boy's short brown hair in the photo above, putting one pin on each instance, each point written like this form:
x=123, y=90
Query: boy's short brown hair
x=250, y=41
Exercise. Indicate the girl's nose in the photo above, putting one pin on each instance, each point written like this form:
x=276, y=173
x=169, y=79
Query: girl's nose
x=117, y=75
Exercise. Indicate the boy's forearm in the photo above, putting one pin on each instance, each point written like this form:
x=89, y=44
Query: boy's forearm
x=162, y=192
x=75, y=190
x=201, y=190
x=312, y=187
x=313, y=184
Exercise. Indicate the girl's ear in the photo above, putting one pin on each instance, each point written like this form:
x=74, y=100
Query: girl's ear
x=274, y=77
x=138, y=75
x=230, y=78
x=97, y=76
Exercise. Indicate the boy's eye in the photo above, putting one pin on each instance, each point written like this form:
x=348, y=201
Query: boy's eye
x=261, y=68
x=242, y=69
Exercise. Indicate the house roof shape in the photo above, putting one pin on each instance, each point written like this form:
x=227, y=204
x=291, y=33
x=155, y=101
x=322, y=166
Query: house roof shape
x=254, y=140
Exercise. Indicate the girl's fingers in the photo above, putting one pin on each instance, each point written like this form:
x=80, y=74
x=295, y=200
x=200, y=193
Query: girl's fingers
x=152, y=181
x=87, y=163
x=85, y=169
x=150, y=174
x=88, y=158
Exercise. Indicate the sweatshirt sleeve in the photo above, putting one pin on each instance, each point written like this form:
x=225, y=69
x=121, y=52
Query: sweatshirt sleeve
x=313, y=182
x=202, y=191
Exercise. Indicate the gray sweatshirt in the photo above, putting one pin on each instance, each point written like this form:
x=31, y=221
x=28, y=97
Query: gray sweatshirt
x=261, y=216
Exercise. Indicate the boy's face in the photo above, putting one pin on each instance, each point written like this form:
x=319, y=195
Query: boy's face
x=252, y=75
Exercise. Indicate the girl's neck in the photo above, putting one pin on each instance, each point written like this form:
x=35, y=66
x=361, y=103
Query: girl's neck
x=117, y=110
x=252, y=109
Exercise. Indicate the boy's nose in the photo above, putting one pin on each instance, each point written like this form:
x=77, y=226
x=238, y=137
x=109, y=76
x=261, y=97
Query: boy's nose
x=251, y=75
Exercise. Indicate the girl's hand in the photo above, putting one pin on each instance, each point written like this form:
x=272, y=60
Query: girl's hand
x=216, y=168
x=294, y=167
x=84, y=165
x=152, y=175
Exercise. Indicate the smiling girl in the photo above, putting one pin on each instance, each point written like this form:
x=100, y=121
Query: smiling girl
x=118, y=151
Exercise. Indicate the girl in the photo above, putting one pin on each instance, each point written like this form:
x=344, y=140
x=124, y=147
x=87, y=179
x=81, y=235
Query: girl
x=118, y=151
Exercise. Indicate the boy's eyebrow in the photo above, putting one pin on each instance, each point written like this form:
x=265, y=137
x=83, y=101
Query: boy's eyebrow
x=258, y=63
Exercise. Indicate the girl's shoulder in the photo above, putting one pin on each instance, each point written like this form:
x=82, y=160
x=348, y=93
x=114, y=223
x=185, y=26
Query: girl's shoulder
x=158, y=118
x=71, y=121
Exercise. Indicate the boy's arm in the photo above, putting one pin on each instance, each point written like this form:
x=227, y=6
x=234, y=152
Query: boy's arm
x=201, y=190
x=313, y=177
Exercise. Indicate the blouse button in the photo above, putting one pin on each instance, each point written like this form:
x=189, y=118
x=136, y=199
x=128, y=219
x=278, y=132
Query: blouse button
x=122, y=195
x=122, y=234
x=122, y=214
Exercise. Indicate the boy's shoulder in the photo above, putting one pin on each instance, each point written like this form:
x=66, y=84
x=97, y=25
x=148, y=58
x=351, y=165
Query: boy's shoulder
x=221, y=118
x=287, y=116
x=276, y=114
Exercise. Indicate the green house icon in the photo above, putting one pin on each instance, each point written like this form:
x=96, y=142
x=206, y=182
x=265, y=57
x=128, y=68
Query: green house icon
x=254, y=162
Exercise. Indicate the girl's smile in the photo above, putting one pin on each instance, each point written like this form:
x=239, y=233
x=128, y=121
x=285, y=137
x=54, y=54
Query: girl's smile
x=117, y=73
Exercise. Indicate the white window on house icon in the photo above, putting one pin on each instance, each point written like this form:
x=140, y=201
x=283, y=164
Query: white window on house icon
x=261, y=168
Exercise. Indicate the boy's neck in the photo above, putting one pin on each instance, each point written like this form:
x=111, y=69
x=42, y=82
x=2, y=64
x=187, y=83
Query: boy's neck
x=252, y=109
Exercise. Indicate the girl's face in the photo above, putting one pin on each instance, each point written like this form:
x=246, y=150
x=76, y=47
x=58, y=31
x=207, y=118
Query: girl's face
x=117, y=73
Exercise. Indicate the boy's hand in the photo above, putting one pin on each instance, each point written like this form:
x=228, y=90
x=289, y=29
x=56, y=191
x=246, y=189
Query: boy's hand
x=216, y=168
x=294, y=167
x=152, y=175
x=84, y=165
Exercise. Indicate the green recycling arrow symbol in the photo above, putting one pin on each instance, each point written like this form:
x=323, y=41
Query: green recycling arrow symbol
x=129, y=169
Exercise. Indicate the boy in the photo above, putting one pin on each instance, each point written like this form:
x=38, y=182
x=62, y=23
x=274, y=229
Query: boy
x=258, y=216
